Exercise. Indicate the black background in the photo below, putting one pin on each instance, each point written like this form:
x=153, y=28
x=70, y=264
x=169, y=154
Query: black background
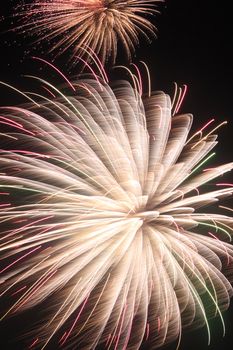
x=194, y=47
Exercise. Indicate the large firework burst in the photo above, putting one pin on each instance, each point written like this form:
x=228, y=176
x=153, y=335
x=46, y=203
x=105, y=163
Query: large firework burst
x=98, y=24
x=102, y=222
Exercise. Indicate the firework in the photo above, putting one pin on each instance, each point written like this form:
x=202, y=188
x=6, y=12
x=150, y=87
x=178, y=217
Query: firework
x=97, y=24
x=103, y=218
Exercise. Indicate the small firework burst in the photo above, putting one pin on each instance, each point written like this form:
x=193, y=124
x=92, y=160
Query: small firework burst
x=99, y=24
x=103, y=222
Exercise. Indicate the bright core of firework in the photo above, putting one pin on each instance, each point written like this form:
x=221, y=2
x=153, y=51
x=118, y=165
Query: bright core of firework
x=103, y=218
x=98, y=24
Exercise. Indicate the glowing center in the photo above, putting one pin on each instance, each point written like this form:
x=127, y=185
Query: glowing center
x=147, y=215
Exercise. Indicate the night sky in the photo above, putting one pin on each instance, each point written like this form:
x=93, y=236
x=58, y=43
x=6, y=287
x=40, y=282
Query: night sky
x=194, y=47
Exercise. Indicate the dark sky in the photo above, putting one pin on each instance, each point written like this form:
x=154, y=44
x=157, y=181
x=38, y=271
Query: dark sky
x=194, y=47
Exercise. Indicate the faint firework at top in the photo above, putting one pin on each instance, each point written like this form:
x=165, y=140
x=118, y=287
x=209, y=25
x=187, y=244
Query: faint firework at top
x=101, y=25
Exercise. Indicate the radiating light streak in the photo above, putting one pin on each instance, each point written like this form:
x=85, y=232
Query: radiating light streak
x=49, y=100
x=224, y=207
x=20, y=92
x=120, y=328
x=91, y=70
x=139, y=78
x=46, y=89
x=201, y=130
x=19, y=259
x=130, y=74
x=57, y=313
x=97, y=62
x=203, y=162
x=35, y=290
x=174, y=98
x=92, y=94
x=148, y=77
x=223, y=246
x=177, y=97
x=75, y=321
x=92, y=311
x=9, y=136
x=56, y=70
x=197, y=297
x=213, y=300
x=5, y=205
x=181, y=99
x=18, y=291
x=33, y=343
x=228, y=184
x=17, y=127
x=10, y=121
x=23, y=276
x=210, y=133
x=147, y=331
x=216, y=228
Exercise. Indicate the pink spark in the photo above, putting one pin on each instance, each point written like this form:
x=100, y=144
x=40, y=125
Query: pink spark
x=41, y=283
x=62, y=337
x=17, y=127
x=21, y=110
x=57, y=70
x=225, y=184
x=108, y=340
x=32, y=223
x=147, y=331
x=128, y=335
x=159, y=324
x=205, y=126
x=75, y=321
x=29, y=153
x=208, y=169
x=19, y=221
x=34, y=343
x=17, y=260
x=18, y=291
x=49, y=91
x=5, y=205
x=11, y=122
x=121, y=325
